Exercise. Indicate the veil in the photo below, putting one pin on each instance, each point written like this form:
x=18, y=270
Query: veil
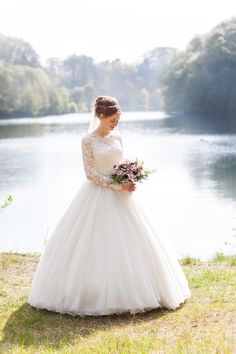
x=94, y=122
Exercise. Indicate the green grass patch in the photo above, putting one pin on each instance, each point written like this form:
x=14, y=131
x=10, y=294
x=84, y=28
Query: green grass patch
x=220, y=257
x=189, y=260
x=204, y=324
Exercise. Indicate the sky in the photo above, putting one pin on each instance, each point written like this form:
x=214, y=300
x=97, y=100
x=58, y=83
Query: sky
x=106, y=29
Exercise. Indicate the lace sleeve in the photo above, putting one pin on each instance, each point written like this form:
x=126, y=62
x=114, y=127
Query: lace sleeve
x=91, y=173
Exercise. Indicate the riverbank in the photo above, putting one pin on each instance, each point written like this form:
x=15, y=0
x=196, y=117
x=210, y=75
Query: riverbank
x=204, y=324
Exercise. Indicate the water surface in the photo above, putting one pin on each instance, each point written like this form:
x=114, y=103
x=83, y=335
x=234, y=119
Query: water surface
x=193, y=192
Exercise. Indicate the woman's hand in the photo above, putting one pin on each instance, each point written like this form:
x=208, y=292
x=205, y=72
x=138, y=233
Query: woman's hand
x=130, y=187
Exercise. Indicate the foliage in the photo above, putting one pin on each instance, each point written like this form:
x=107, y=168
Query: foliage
x=201, y=80
x=17, y=51
x=135, y=85
x=6, y=202
x=198, y=81
x=29, y=89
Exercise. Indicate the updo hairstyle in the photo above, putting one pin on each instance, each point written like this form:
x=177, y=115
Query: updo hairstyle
x=106, y=105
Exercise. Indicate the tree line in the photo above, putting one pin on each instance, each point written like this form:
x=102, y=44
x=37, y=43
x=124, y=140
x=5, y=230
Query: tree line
x=199, y=80
x=202, y=79
x=28, y=88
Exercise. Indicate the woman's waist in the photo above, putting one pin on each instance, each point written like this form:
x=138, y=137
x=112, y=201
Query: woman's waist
x=105, y=171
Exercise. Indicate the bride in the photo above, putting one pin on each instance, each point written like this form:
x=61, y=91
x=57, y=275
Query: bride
x=105, y=255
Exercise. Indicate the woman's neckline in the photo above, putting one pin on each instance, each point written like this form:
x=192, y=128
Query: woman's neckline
x=102, y=137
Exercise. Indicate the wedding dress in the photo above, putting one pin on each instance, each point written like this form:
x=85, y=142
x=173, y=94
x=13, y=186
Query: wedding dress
x=105, y=255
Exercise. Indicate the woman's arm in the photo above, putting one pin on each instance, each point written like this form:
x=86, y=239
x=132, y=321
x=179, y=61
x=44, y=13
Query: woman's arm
x=91, y=173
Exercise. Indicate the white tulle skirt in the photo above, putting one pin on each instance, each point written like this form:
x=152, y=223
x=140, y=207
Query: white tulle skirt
x=107, y=255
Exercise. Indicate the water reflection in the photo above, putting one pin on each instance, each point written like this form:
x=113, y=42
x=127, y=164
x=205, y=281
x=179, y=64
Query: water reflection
x=214, y=160
x=36, y=130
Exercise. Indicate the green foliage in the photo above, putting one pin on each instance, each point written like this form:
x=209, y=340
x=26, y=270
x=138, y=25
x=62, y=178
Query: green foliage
x=222, y=258
x=27, y=91
x=72, y=107
x=201, y=79
x=71, y=85
x=232, y=260
x=198, y=81
x=219, y=257
x=189, y=260
x=17, y=51
x=6, y=202
x=135, y=85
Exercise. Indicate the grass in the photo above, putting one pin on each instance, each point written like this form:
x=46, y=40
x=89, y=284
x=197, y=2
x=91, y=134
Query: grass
x=220, y=257
x=204, y=324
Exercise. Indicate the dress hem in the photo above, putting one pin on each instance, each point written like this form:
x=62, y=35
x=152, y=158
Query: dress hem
x=107, y=312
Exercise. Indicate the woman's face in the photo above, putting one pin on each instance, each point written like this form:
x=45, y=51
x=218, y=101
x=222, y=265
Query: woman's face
x=110, y=122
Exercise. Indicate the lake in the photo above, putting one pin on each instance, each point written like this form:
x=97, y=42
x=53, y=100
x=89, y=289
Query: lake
x=193, y=193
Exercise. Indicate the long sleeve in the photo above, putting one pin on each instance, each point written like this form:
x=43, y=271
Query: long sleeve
x=91, y=173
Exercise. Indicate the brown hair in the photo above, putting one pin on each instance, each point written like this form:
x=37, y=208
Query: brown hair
x=106, y=105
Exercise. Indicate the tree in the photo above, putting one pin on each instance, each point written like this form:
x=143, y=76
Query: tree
x=143, y=100
x=201, y=80
x=17, y=51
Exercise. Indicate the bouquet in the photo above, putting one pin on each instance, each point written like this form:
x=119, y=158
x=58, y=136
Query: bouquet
x=129, y=172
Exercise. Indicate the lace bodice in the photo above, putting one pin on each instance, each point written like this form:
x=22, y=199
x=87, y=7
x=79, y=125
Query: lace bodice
x=100, y=154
